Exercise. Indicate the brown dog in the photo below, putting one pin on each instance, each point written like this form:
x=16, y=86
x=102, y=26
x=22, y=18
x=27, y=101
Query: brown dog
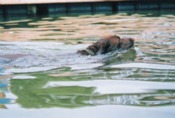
x=108, y=44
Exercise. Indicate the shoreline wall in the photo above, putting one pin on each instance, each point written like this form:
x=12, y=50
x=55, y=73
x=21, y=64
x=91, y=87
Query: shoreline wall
x=8, y=12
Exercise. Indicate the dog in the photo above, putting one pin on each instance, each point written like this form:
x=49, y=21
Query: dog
x=108, y=44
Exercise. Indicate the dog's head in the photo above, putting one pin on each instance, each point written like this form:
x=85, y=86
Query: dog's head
x=126, y=43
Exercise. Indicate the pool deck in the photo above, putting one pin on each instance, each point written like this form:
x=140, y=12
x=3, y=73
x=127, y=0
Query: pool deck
x=16, y=2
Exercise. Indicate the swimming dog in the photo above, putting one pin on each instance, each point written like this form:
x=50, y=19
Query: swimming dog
x=108, y=44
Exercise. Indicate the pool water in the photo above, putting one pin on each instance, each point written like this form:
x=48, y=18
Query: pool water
x=42, y=75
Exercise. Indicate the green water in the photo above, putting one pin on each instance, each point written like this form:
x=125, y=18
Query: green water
x=41, y=74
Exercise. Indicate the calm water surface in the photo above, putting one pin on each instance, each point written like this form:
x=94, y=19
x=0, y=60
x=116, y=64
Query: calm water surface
x=41, y=74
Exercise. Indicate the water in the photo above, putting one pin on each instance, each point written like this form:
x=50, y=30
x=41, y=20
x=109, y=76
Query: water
x=41, y=74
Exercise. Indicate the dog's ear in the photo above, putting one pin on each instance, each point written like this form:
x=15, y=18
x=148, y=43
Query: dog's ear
x=117, y=37
x=111, y=37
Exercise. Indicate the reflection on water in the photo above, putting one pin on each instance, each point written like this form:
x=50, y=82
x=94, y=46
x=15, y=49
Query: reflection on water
x=48, y=73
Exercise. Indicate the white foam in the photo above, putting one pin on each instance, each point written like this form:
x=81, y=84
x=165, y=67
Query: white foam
x=23, y=77
x=115, y=86
x=42, y=56
x=144, y=65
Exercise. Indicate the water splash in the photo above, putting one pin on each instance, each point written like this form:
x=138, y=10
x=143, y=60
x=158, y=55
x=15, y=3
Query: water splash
x=37, y=56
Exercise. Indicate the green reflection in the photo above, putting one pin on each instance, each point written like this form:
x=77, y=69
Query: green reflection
x=33, y=93
x=128, y=56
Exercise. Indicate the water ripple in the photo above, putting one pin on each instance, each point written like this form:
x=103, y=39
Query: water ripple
x=38, y=62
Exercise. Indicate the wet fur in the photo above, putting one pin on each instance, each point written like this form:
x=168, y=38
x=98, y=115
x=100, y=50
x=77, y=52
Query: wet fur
x=107, y=44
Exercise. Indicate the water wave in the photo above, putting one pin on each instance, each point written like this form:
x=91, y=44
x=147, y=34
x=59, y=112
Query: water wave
x=145, y=65
x=22, y=57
